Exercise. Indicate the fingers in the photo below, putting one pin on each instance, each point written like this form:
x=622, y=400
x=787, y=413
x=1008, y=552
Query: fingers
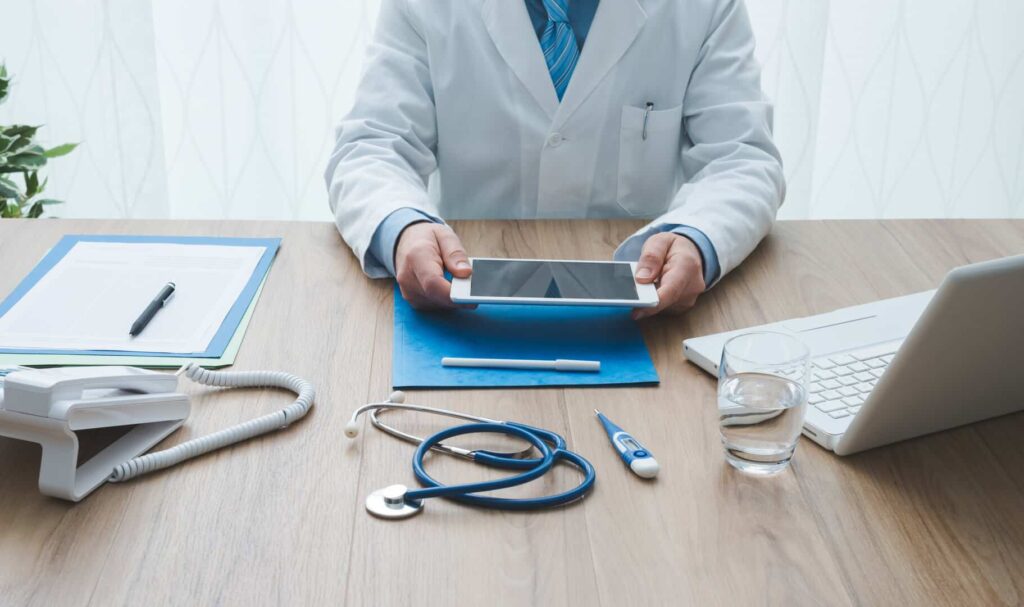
x=652, y=258
x=681, y=281
x=434, y=291
x=670, y=291
x=420, y=267
x=454, y=256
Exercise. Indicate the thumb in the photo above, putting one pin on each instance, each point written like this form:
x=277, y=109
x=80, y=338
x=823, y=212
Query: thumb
x=652, y=258
x=454, y=256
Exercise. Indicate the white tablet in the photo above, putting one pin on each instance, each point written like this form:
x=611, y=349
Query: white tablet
x=553, y=282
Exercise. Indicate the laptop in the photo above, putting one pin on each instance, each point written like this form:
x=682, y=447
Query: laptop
x=899, y=368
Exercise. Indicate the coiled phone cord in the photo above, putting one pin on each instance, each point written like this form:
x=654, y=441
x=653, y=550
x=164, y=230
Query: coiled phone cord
x=261, y=425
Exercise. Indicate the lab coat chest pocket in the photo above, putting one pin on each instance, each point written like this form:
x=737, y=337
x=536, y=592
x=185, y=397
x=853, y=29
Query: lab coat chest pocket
x=648, y=166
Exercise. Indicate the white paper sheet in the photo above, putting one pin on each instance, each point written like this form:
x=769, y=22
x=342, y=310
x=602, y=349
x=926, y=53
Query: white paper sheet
x=91, y=297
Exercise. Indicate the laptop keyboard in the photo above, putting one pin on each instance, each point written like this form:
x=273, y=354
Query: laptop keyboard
x=842, y=382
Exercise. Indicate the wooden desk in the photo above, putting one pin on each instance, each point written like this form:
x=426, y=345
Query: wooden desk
x=938, y=520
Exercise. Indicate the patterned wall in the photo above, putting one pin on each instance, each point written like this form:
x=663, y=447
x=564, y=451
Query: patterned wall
x=224, y=108
x=922, y=110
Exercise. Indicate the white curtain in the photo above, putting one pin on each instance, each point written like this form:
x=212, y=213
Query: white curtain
x=225, y=108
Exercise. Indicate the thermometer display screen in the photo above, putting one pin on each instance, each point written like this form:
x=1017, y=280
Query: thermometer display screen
x=631, y=444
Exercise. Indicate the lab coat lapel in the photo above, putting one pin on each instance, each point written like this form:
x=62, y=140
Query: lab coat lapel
x=616, y=24
x=509, y=25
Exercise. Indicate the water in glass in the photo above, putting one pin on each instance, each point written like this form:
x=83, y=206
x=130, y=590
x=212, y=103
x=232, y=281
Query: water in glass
x=760, y=416
x=762, y=398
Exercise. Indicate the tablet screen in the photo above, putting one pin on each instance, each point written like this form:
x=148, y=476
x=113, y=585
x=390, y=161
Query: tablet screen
x=552, y=279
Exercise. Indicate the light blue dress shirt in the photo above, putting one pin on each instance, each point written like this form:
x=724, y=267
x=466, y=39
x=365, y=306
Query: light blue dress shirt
x=385, y=239
x=581, y=15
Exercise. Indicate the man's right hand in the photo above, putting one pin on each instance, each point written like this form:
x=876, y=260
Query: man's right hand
x=425, y=250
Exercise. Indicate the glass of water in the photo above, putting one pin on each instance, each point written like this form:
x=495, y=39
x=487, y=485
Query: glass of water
x=762, y=398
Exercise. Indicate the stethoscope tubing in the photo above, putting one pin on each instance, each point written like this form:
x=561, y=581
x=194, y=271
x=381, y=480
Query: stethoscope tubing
x=534, y=469
x=436, y=489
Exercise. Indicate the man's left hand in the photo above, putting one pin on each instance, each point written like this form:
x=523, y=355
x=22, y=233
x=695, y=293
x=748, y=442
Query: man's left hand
x=673, y=262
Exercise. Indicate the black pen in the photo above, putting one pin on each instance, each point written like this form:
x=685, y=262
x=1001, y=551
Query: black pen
x=151, y=310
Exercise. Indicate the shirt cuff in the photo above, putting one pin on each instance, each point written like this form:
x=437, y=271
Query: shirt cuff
x=385, y=239
x=708, y=255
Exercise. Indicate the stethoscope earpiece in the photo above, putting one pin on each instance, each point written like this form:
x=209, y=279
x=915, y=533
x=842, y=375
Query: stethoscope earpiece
x=352, y=427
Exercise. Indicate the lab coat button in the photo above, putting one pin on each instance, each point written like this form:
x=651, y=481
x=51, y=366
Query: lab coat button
x=555, y=140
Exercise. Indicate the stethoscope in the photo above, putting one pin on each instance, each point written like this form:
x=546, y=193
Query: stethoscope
x=397, y=501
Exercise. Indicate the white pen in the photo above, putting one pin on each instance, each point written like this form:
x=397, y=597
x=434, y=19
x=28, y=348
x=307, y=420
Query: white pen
x=515, y=363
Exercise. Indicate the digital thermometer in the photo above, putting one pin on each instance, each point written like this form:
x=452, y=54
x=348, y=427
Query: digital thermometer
x=633, y=454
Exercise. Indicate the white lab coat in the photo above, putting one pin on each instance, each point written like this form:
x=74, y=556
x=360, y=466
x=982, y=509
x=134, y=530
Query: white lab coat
x=456, y=93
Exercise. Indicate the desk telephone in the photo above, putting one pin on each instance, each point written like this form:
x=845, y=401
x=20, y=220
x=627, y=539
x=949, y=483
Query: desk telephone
x=47, y=406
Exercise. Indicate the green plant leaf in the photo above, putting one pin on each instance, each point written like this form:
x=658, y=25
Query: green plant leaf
x=8, y=189
x=21, y=130
x=37, y=208
x=11, y=210
x=6, y=143
x=26, y=161
x=31, y=184
x=22, y=143
x=19, y=144
x=60, y=150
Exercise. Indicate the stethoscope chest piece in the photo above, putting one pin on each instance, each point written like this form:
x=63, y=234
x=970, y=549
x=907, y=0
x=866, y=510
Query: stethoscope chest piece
x=390, y=503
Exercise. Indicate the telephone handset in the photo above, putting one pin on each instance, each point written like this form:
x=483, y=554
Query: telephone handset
x=56, y=393
x=47, y=406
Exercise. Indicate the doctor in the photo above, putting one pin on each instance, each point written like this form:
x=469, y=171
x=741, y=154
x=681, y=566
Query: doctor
x=511, y=109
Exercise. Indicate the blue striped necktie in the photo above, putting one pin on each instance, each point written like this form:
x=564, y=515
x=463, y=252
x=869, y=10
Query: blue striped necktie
x=559, y=45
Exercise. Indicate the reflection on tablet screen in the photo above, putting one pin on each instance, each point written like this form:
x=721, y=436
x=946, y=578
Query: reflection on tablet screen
x=552, y=279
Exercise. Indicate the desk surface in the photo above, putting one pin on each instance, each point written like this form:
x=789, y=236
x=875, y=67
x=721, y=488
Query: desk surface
x=936, y=520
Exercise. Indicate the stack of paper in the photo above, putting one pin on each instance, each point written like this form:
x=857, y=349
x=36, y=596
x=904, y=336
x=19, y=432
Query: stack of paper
x=77, y=304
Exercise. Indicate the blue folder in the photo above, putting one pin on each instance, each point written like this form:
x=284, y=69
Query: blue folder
x=219, y=343
x=499, y=331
